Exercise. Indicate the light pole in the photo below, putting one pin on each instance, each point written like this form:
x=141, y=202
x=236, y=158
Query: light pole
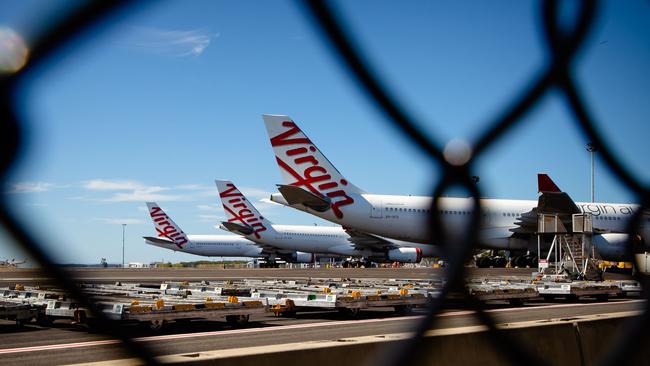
x=592, y=148
x=123, y=228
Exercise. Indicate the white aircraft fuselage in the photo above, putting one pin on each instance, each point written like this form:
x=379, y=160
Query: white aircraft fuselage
x=406, y=217
x=211, y=246
x=334, y=240
x=312, y=184
x=171, y=236
x=244, y=219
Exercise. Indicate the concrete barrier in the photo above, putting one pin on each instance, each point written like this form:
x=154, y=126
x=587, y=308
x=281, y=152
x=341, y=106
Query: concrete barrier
x=575, y=341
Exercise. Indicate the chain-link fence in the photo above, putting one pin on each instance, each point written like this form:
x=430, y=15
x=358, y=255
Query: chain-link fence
x=563, y=44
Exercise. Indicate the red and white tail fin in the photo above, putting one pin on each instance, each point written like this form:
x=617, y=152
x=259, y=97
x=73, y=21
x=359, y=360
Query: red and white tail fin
x=241, y=211
x=303, y=165
x=546, y=184
x=165, y=226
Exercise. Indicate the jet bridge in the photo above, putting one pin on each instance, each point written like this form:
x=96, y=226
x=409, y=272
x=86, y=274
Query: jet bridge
x=571, y=254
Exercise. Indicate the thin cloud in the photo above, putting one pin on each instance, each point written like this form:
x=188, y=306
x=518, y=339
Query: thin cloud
x=118, y=221
x=210, y=218
x=136, y=191
x=144, y=195
x=30, y=187
x=270, y=203
x=265, y=205
x=211, y=207
x=111, y=185
x=209, y=192
x=255, y=193
x=171, y=42
x=251, y=193
x=193, y=187
x=131, y=191
x=78, y=198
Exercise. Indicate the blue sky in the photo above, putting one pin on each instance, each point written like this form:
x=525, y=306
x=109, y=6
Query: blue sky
x=164, y=100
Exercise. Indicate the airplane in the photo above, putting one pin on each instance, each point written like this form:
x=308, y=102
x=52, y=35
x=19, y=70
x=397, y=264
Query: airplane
x=244, y=219
x=11, y=262
x=312, y=184
x=171, y=236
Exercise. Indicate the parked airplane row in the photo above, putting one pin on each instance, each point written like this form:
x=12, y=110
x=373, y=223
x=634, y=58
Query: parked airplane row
x=256, y=236
x=377, y=228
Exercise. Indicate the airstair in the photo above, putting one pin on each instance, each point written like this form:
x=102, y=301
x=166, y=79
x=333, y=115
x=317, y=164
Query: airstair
x=571, y=254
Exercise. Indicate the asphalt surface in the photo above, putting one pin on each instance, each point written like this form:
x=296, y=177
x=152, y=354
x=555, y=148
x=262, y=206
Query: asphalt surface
x=32, y=276
x=27, y=276
x=64, y=343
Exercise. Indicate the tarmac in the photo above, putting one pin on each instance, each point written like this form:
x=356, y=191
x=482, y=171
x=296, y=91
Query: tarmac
x=29, y=276
x=35, y=345
x=66, y=343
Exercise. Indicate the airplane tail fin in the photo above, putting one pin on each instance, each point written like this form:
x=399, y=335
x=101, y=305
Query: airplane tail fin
x=165, y=226
x=546, y=184
x=242, y=217
x=303, y=165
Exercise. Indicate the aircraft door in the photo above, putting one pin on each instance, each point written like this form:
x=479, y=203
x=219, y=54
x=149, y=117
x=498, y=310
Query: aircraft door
x=376, y=209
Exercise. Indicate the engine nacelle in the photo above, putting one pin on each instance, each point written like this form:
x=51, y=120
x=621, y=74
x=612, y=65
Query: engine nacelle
x=302, y=257
x=611, y=247
x=405, y=255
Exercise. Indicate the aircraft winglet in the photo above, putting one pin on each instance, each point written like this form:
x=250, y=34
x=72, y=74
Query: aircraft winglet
x=546, y=184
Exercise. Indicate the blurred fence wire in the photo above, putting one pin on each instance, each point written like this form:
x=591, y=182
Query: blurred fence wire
x=562, y=43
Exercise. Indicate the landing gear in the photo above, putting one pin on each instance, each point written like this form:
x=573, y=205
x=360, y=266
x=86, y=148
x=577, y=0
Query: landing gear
x=495, y=260
x=491, y=261
x=528, y=260
x=357, y=263
x=272, y=264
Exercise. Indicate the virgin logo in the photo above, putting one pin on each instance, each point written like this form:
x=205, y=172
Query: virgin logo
x=314, y=177
x=167, y=229
x=238, y=209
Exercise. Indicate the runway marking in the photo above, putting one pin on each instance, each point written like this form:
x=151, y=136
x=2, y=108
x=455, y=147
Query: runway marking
x=59, y=346
x=285, y=327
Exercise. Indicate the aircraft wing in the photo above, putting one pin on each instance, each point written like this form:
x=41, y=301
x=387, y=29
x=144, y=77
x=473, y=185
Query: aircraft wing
x=362, y=240
x=551, y=200
x=296, y=195
x=154, y=239
x=236, y=228
x=271, y=250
